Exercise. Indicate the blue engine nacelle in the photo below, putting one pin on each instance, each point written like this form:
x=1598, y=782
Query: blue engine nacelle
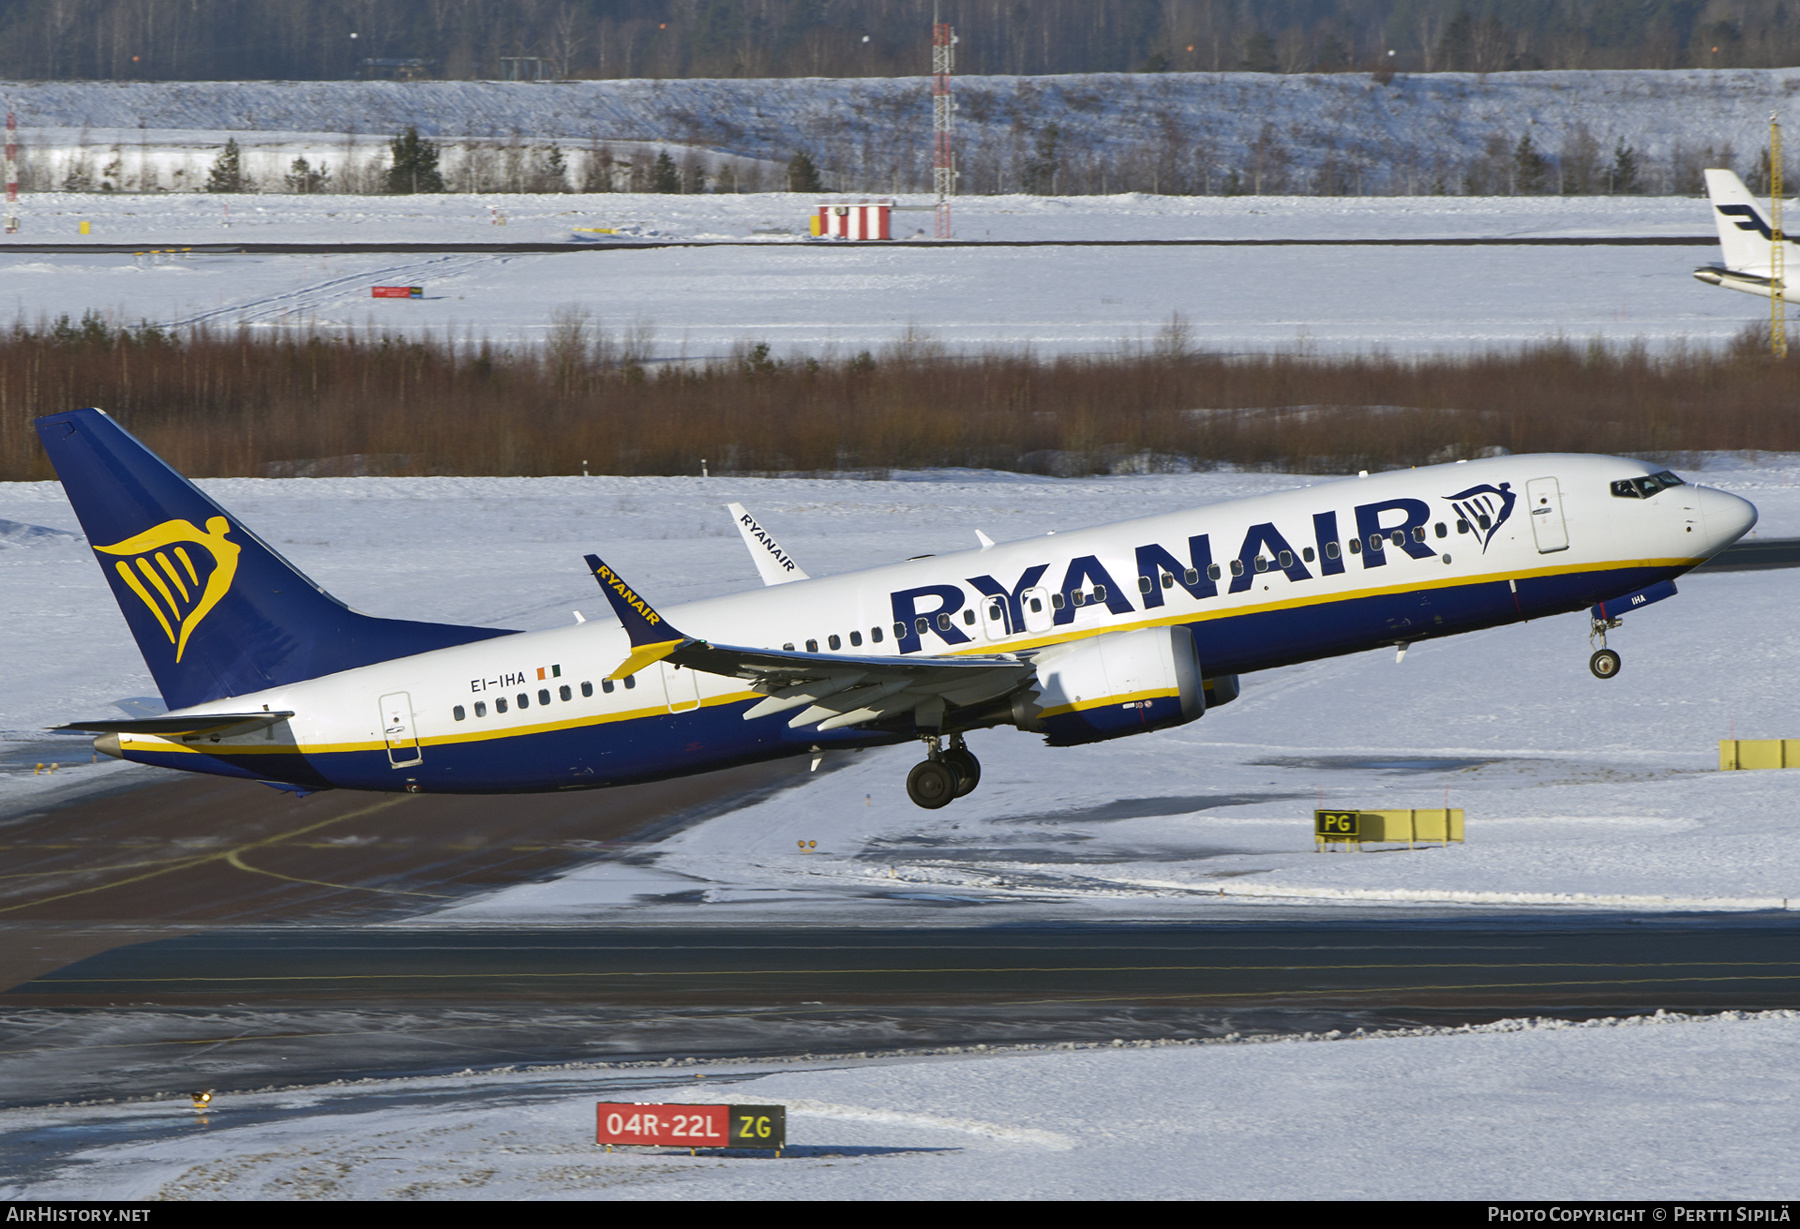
x=1114, y=685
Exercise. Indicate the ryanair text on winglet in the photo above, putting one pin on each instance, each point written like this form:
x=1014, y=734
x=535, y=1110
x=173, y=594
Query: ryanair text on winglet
x=766, y=542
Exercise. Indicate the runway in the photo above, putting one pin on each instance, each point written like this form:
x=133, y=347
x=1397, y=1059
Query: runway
x=242, y=1008
x=1755, y=555
x=1505, y=965
x=186, y=852
x=213, y=931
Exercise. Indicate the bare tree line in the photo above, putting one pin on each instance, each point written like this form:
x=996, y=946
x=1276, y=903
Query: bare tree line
x=240, y=402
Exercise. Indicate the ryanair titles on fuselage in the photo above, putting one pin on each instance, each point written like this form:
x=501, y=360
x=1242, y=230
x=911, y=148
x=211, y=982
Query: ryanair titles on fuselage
x=1402, y=522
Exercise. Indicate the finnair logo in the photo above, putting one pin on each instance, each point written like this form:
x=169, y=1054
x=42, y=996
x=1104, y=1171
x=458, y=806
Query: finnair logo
x=1745, y=217
x=1486, y=508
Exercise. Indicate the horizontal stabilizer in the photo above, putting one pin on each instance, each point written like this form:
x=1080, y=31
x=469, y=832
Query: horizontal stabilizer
x=175, y=727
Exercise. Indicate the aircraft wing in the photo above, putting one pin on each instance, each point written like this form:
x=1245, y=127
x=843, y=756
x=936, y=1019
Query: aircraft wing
x=832, y=690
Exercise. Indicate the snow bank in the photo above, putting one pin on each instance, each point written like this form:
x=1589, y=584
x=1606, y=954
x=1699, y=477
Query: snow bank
x=1666, y=1107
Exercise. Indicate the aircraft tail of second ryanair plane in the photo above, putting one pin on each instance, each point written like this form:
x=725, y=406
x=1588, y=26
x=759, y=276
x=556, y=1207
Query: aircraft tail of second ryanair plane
x=215, y=610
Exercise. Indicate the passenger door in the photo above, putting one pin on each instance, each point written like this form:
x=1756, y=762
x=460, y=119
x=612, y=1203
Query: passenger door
x=1547, y=526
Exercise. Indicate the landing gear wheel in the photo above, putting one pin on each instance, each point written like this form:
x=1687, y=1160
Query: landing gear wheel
x=1604, y=664
x=932, y=784
x=967, y=768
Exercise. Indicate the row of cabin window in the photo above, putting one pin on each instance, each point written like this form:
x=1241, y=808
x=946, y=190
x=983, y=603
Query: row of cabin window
x=1285, y=559
x=543, y=697
x=856, y=638
x=1079, y=597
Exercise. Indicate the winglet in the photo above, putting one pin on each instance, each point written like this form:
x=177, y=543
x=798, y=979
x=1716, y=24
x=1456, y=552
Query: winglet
x=774, y=565
x=652, y=637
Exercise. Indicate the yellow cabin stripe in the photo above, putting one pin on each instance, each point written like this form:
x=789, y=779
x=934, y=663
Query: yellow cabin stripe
x=1204, y=615
x=148, y=743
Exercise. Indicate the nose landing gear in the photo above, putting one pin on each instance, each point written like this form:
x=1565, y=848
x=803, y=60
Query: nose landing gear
x=1605, y=662
x=944, y=775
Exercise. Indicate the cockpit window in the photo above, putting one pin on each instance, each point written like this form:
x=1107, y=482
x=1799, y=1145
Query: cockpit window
x=1644, y=488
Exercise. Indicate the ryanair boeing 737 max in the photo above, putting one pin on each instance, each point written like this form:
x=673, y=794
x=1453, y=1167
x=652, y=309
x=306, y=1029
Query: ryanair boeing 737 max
x=1097, y=634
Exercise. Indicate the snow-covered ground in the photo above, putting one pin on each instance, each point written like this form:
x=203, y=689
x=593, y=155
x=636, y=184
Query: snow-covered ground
x=1578, y=793
x=1645, y=1109
x=1576, y=789
x=873, y=134
x=771, y=285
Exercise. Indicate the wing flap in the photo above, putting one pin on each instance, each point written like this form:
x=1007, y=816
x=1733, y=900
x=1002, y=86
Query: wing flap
x=839, y=689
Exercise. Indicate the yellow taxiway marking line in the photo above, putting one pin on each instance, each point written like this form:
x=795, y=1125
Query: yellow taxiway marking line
x=238, y=862
x=120, y=866
x=226, y=855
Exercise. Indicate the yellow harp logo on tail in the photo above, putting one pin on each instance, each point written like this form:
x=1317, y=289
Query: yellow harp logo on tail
x=179, y=585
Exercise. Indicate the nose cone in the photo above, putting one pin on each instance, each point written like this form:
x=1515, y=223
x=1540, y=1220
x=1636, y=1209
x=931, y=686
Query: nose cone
x=1725, y=518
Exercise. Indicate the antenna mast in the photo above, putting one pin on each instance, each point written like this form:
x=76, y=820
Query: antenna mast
x=1777, y=248
x=943, y=121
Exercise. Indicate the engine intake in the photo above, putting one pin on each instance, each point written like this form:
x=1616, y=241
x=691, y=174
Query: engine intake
x=1114, y=685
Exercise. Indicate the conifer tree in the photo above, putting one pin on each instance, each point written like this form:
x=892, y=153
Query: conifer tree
x=415, y=167
x=227, y=172
x=665, y=178
x=802, y=175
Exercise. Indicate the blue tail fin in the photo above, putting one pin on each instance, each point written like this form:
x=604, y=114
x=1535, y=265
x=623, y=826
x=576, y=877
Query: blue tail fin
x=215, y=610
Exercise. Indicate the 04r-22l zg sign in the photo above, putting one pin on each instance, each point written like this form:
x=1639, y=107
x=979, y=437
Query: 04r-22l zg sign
x=692, y=1126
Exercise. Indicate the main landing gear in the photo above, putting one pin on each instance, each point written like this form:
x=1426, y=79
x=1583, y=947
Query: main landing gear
x=944, y=775
x=1605, y=662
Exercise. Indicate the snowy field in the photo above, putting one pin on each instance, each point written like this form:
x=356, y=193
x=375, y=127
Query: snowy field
x=1617, y=777
x=1657, y=1109
x=1398, y=135
x=759, y=280
x=1580, y=795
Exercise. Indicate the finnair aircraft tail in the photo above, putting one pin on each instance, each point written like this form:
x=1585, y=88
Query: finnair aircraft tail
x=1744, y=237
x=216, y=611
